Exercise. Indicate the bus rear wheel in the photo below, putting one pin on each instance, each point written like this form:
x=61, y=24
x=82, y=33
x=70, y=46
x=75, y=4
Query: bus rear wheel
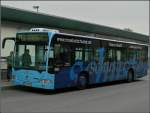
x=82, y=82
x=130, y=77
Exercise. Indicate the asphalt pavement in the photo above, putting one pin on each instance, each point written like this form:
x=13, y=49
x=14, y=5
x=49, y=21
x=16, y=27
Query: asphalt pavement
x=111, y=97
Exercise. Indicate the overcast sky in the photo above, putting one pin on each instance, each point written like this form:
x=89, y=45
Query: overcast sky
x=119, y=14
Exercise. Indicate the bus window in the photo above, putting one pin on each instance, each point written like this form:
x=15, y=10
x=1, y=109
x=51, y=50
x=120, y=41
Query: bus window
x=106, y=59
x=88, y=55
x=40, y=52
x=62, y=55
x=96, y=54
x=57, y=51
x=110, y=55
x=19, y=52
x=142, y=55
x=123, y=54
x=78, y=54
x=133, y=54
x=118, y=55
x=28, y=59
x=21, y=49
x=30, y=56
x=51, y=52
x=65, y=55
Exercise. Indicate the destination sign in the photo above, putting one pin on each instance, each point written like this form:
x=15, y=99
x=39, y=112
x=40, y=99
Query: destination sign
x=35, y=37
x=72, y=40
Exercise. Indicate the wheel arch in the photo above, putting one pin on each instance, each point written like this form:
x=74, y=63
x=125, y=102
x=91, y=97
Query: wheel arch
x=86, y=74
x=133, y=72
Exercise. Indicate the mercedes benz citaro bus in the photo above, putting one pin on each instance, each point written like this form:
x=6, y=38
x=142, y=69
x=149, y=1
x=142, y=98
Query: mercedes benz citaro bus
x=49, y=59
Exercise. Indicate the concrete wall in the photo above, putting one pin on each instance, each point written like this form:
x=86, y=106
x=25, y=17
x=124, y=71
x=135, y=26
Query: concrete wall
x=9, y=29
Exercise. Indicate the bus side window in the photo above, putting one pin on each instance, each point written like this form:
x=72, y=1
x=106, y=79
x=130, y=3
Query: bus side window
x=96, y=54
x=145, y=55
x=51, y=52
x=88, y=55
x=121, y=54
x=62, y=55
x=110, y=55
x=118, y=55
x=78, y=54
x=130, y=54
x=57, y=51
x=65, y=55
x=106, y=59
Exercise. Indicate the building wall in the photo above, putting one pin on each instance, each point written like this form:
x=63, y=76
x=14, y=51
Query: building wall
x=9, y=29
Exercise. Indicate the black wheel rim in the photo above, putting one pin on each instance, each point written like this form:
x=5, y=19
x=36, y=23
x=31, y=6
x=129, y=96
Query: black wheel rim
x=82, y=82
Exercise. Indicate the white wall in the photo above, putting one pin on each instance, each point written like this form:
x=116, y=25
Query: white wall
x=9, y=29
x=7, y=32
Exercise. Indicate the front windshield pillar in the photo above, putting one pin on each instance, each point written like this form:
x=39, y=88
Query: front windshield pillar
x=47, y=56
x=50, y=36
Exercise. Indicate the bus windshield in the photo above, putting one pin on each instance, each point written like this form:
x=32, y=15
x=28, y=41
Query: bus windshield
x=31, y=54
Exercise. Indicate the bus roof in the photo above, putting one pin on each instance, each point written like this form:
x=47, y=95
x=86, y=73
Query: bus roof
x=83, y=36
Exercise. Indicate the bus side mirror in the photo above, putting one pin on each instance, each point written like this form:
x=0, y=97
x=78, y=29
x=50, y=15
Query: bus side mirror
x=5, y=39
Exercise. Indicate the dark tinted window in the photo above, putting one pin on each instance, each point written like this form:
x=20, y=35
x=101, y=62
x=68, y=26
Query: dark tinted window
x=137, y=52
x=115, y=52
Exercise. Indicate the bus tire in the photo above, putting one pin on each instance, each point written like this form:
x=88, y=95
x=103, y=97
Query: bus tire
x=130, y=77
x=82, y=82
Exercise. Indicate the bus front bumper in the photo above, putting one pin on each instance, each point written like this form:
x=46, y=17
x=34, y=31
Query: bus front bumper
x=35, y=85
x=34, y=79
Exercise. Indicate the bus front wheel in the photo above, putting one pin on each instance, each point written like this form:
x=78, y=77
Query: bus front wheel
x=82, y=82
